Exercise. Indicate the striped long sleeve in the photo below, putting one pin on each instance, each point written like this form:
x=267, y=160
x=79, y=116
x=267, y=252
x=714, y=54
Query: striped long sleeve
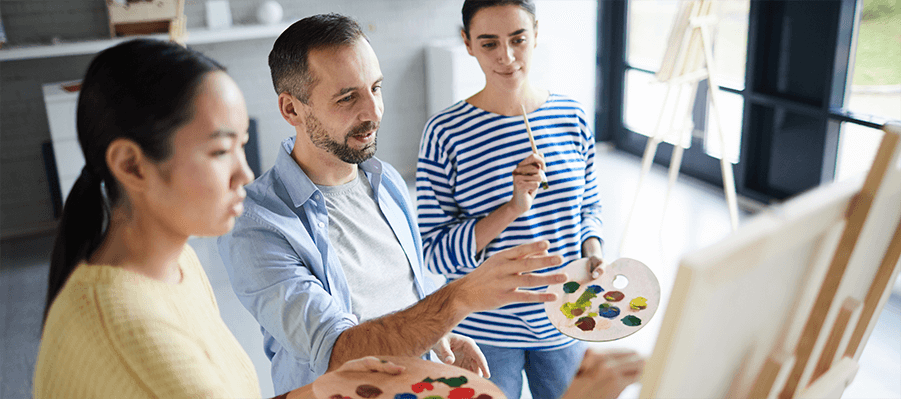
x=464, y=172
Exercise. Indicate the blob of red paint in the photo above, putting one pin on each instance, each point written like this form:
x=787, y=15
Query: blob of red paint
x=422, y=386
x=614, y=296
x=461, y=393
x=586, y=324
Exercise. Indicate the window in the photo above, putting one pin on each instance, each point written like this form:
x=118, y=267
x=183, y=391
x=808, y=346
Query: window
x=792, y=113
x=875, y=89
x=650, y=106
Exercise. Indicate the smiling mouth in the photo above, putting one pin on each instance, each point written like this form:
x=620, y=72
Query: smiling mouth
x=364, y=136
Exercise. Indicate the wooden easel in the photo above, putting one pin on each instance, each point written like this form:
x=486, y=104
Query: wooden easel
x=796, y=292
x=856, y=286
x=865, y=261
x=688, y=60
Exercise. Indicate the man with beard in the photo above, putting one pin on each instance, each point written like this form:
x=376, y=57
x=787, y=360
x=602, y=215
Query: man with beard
x=327, y=254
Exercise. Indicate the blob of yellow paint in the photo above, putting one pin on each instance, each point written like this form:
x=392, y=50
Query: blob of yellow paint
x=638, y=303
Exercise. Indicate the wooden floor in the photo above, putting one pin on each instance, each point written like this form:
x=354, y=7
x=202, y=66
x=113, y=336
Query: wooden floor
x=696, y=217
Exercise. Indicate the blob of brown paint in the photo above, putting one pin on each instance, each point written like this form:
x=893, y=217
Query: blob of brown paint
x=586, y=324
x=368, y=391
x=614, y=296
x=577, y=312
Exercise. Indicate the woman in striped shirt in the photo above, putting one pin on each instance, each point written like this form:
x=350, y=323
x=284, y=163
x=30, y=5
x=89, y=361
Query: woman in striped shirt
x=477, y=185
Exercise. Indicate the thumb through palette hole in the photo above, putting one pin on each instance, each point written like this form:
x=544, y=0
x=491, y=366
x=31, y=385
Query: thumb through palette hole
x=620, y=282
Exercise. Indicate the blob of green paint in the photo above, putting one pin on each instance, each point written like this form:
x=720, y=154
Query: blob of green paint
x=631, y=321
x=586, y=297
x=570, y=287
x=433, y=397
x=453, y=382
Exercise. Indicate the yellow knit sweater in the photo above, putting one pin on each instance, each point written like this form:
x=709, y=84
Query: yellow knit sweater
x=112, y=333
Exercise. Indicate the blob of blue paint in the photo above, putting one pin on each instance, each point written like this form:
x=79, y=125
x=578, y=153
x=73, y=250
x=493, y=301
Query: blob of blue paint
x=595, y=289
x=405, y=396
x=570, y=287
x=608, y=311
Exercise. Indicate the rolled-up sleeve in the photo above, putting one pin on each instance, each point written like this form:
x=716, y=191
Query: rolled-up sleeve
x=274, y=283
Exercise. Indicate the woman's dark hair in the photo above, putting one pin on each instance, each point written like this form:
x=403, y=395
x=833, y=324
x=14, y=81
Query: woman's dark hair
x=471, y=7
x=141, y=90
x=289, y=58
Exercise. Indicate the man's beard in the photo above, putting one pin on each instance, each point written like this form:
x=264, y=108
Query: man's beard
x=320, y=138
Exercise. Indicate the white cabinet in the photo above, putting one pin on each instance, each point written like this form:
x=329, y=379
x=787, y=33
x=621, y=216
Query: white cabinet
x=61, y=105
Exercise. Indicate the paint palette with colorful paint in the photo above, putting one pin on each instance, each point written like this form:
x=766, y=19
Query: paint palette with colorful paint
x=615, y=305
x=421, y=379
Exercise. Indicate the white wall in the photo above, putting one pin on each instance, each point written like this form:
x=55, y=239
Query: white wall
x=566, y=57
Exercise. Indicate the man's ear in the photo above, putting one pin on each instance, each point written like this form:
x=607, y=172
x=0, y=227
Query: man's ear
x=128, y=164
x=466, y=41
x=290, y=108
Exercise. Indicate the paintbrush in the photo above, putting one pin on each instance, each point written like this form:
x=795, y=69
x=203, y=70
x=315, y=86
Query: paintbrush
x=544, y=184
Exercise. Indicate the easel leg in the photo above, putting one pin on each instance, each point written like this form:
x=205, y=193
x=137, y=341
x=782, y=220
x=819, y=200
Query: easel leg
x=647, y=160
x=725, y=165
x=676, y=157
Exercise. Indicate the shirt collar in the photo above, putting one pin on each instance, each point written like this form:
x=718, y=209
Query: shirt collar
x=300, y=187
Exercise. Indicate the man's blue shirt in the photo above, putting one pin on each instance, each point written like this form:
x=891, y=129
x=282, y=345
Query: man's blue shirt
x=286, y=273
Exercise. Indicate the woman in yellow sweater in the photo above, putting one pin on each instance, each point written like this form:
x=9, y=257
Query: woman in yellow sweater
x=130, y=312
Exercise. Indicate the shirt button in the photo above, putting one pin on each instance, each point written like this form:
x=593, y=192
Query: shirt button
x=321, y=224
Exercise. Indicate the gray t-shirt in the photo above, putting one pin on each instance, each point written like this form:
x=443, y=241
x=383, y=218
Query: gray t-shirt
x=377, y=270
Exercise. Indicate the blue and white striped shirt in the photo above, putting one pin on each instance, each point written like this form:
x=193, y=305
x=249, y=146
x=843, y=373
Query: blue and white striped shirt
x=466, y=159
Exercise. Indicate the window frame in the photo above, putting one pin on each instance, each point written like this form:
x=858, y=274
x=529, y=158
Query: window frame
x=766, y=139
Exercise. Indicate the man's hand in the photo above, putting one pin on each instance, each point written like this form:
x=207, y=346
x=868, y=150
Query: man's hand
x=526, y=181
x=604, y=375
x=462, y=352
x=495, y=283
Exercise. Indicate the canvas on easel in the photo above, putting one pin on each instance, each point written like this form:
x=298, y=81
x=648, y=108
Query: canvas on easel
x=687, y=61
x=783, y=306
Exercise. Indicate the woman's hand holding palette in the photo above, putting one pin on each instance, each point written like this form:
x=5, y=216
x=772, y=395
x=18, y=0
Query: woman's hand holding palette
x=604, y=309
x=421, y=379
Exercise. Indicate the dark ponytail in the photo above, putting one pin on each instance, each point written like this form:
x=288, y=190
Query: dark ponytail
x=141, y=90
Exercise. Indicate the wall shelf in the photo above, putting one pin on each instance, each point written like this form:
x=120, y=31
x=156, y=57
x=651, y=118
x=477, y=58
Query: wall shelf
x=195, y=37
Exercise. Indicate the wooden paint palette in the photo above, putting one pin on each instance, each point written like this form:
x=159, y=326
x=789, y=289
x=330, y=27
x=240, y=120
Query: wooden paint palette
x=422, y=379
x=595, y=310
